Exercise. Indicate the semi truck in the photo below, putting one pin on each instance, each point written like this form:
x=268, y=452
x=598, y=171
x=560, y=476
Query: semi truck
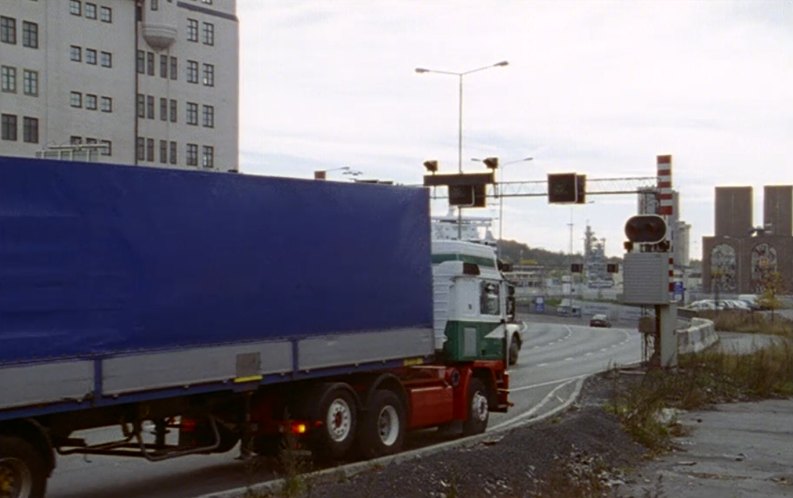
x=199, y=312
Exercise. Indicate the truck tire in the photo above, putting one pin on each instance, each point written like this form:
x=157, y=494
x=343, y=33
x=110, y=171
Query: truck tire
x=23, y=471
x=382, y=430
x=338, y=414
x=478, y=409
x=514, y=350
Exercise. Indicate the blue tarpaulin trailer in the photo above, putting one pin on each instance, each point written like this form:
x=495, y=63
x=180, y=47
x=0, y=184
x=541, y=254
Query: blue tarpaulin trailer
x=188, y=273
x=225, y=308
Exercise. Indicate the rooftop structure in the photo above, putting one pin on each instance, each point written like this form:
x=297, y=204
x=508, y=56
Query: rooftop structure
x=150, y=82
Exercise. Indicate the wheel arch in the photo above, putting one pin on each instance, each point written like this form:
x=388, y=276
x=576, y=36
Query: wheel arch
x=387, y=381
x=34, y=433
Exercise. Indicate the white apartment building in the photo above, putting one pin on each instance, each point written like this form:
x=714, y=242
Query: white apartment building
x=147, y=82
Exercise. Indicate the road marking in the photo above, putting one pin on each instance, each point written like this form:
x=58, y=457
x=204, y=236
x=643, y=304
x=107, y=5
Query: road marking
x=531, y=413
x=549, y=383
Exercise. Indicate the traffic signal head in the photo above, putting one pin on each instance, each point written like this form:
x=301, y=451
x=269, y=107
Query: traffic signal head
x=491, y=162
x=576, y=268
x=645, y=229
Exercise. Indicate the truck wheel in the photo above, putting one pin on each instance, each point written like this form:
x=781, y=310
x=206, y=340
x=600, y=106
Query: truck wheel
x=383, y=426
x=514, y=350
x=339, y=416
x=478, y=410
x=23, y=471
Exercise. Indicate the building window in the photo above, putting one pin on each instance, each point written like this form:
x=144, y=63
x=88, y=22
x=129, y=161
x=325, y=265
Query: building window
x=163, y=66
x=155, y=5
x=208, y=2
x=30, y=82
x=9, y=127
x=163, y=151
x=76, y=99
x=172, y=152
x=209, y=75
x=150, y=106
x=106, y=104
x=105, y=14
x=209, y=116
x=208, y=157
x=140, y=148
x=192, y=154
x=150, y=149
x=173, y=110
x=75, y=140
x=140, y=62
x=8, y=30
x=192, y=72
x=209, y=33
x=90, y=102
x=30, y=130
x=74, y=7
x=192, y=113
x=140, y=105
x=75, y=53
x=8, y=79
x=192, y=30
x=174, y=67
x=107, y=148
x=90, y=56
x=150, y=63
x=106, y=59
x=90, y=10
x=30, y=34
x=163, y=109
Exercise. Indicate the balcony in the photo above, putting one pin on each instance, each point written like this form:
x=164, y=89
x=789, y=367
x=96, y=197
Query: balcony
x=158, y=35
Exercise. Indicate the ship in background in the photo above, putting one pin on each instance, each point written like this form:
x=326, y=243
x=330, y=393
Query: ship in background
x=595, y=262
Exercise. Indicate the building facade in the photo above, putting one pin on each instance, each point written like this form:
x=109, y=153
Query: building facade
x=146, y=82
x=740, y=256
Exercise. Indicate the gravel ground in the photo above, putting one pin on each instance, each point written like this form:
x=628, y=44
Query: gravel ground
x=582, y=452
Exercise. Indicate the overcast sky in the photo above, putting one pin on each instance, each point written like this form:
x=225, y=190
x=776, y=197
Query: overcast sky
x=594, y=87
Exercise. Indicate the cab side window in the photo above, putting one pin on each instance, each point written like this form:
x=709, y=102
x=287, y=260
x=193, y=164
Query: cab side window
x=489, y=298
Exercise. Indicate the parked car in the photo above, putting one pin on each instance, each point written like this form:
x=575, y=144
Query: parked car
x=599, y=320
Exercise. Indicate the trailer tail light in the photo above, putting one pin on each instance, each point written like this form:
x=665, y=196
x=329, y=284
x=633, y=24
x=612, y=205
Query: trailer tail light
x=188, y=424
x=297, y=428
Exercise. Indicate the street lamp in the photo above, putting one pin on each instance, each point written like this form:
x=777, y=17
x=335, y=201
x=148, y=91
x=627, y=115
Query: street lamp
x=501, y=198
x=460, y=75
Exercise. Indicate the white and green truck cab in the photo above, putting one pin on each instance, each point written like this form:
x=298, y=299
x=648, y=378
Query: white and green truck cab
x=473, y=304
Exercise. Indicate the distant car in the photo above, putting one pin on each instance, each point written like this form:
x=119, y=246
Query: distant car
x=599, y=320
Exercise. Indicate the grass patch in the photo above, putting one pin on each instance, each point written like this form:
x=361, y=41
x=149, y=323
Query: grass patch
x=700, y=380
x=749, y=322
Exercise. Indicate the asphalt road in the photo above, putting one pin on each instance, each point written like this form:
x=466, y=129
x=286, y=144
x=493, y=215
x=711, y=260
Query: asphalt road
x=554, y=357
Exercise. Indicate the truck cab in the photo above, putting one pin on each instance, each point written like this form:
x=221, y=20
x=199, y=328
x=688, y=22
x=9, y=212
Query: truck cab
x=473, y=313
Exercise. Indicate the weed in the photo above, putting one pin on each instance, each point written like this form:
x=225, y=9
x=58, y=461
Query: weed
x=700, y=380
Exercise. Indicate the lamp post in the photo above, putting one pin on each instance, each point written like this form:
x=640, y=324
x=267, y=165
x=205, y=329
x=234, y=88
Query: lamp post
x=460, y=75
x=501, y=198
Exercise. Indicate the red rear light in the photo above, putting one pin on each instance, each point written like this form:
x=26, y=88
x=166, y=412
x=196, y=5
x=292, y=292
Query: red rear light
x=188, y=425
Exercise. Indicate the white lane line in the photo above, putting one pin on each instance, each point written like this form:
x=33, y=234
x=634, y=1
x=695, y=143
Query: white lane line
x=549, y=383
x=551, y=395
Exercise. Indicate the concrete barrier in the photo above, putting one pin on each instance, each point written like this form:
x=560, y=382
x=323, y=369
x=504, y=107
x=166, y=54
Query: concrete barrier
x=698, y=336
